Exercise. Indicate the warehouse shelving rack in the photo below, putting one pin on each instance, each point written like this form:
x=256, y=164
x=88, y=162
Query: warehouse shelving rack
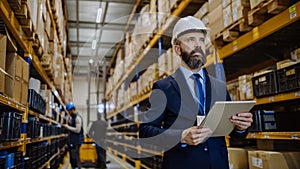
x=250, y=41
x=13, y=26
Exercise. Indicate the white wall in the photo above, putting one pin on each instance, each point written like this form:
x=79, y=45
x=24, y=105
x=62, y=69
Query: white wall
x=80, y=96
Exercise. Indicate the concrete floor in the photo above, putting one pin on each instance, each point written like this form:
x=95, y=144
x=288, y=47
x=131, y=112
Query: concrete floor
x=115, y=163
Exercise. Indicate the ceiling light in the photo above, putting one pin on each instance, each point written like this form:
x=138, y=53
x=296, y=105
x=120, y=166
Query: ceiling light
x=94, y=44
x=99, y=13
x=91, y=61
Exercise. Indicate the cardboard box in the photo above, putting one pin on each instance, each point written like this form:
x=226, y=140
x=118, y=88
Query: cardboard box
x=202, y=11
x=225, y=3
x=285, y=63
x=2, y=81
x=152, y=6
x=254, y=3
x=24, y=95
x=295, y=55
x=17, y=89
x=227, y=16
x=34, y=84
x=3, y=43
x=10, y=67
x=216, y=27
x=9, y=86
x=238, y=158
x=245, y=87
x=212, y=4
x=215, y=15
x=239, y=10
x=205, y=20
x=273, y=160
x=25, y=71
x=19, y=66
x=11, y=44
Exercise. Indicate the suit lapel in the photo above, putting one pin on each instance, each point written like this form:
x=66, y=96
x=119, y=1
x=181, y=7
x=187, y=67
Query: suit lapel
x=208, y=91
x=180, y=84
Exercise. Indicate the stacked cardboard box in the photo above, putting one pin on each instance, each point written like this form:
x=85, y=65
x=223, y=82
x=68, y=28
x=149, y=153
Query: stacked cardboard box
x=245, y=87
x=59, y=73
x=238, y=158
x=149, y=76
x=271, y=159
x=295, y=55
x=162, y=64
x=202, y=14
x=254, y=3
x=215, y=17
x=3, y=45
x=240, y=9
x=233, y=90
x=163, y=7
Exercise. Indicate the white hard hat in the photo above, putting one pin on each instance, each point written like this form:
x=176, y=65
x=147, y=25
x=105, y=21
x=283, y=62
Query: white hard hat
x=186, y=24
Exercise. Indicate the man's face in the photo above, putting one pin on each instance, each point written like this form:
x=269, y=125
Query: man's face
x=72, y=111
x=192, y=49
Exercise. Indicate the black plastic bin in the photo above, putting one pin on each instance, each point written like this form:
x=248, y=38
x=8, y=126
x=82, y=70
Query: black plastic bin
x=265, y=84
x=289, y=78
x=10, y=126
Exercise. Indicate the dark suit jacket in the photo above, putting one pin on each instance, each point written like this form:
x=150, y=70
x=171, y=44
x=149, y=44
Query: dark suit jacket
x=174, y=109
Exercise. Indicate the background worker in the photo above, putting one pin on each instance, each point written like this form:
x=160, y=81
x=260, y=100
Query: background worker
x=189, y=92
x=75, y=135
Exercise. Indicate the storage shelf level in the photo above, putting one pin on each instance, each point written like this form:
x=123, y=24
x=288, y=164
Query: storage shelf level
x=278, y=98
x=43, y=117
x=138, y=148
x=10, y=144
x=270, y=26
x=6, y=101
x=275, y=135
x=35, y=140
x=132, y=103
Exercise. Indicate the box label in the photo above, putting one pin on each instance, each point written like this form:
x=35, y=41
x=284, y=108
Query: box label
x=257, y=162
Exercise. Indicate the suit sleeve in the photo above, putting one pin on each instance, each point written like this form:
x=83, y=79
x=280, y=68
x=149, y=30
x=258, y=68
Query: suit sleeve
x=155, y=116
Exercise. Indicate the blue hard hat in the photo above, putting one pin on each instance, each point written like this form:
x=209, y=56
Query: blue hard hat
x=70, y=106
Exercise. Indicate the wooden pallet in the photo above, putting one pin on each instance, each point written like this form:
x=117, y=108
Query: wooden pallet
x=22, y=12
x=37, y=47
x=265, y=10
x=14, y=4
x=231, y=33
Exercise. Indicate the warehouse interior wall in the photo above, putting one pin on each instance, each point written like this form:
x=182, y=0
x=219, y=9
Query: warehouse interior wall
x=80, y=96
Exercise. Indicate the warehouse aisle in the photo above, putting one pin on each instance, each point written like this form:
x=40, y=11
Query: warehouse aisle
x=115, y=163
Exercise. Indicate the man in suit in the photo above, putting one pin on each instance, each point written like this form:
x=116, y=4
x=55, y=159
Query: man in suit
x=176, y=101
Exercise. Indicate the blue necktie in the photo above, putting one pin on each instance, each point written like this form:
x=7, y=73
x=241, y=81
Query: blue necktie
x=200, y=94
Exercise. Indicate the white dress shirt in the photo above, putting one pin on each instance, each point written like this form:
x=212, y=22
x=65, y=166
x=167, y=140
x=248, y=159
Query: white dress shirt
x=188, y=75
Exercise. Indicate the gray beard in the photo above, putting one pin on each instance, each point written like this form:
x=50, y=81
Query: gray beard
x=191, y=61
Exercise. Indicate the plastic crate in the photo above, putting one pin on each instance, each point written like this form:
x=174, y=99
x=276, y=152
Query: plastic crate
x=17, y=125
x=289, y=78
x=263, y=121
x=265, y=84
x=10, y=126
x=36, y=102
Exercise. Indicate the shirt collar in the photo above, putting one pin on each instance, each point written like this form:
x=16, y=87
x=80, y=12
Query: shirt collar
x=188, y=73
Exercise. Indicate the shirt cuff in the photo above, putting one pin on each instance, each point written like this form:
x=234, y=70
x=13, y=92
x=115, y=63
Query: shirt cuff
x=240, y=131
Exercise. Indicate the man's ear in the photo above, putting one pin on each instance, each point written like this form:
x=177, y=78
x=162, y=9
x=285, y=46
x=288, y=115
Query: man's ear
x=177, y=50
